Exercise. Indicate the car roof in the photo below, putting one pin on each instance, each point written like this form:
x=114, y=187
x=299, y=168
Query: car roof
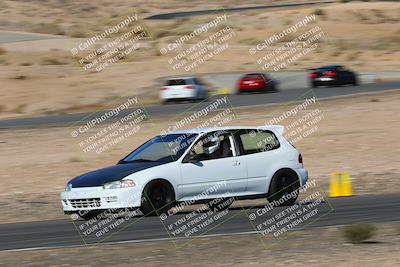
x=278, y=129
x=180, y=78
x=329, y=67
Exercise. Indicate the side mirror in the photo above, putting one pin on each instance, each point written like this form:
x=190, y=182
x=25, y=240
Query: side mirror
x=190, y=160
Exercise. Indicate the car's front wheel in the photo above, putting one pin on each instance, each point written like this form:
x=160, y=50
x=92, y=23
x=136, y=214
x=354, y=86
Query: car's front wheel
x=158, y=197
x=284, y=188
x=314, y=85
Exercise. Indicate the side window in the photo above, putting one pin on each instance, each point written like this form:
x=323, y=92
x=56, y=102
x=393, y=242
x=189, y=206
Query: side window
x=339, y=68
x=173, y=82
x=254, y=141
x=267, y=79
x=214, y=145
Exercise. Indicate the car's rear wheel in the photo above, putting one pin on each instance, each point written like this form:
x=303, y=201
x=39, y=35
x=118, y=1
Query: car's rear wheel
x=158, y=197
x=204, y=95
x=265, y=90
x=284, y=188
x=355, y=81
x=274, y=87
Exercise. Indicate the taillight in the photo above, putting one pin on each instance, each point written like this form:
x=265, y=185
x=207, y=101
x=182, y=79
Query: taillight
x=312, y=75
x=330, y=73
x=163, y=88
x=188, y=87
x=300, y=159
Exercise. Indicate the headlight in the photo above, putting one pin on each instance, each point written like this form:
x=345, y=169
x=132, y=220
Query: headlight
x=119, y=184
x=68, y=187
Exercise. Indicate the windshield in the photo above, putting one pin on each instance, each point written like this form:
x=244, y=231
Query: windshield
x=176, y=82
x=164, y=149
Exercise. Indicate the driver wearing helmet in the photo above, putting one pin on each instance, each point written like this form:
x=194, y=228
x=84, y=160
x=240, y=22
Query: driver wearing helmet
x=217, y=147
x=212, y=145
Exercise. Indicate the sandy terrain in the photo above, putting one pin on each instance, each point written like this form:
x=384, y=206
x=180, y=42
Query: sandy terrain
x=358, y=135
x=299, y=248
x=42, y=77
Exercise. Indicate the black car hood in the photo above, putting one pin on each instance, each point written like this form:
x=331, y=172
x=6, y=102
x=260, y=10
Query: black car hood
x=110, y=174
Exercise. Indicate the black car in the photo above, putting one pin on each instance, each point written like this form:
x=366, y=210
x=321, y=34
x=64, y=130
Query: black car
x=332, y=75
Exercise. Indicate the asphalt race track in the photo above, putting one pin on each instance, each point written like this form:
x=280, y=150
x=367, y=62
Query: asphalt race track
x=235, y=101
x=183, y=14
x=333, y=212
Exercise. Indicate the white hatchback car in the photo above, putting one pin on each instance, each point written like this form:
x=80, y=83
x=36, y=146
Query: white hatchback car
x=184, y=88
x=198, y=165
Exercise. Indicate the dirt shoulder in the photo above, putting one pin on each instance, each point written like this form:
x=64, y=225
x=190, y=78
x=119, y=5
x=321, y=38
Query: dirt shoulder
x=357, y=134
x=316, y=247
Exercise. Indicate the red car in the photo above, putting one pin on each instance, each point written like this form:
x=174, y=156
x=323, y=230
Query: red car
x=256, y=82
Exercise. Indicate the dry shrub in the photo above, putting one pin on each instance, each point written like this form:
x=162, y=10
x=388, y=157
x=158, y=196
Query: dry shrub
x=359, y=233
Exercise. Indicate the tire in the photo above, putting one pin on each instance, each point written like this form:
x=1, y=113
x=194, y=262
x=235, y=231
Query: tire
x=158, y=197
x=220, y=204
x=355, y=81
x=205, y=95
x=283, y=184
x=313, y=85
x=265, y=90
x=88, y=215
x=274, y=88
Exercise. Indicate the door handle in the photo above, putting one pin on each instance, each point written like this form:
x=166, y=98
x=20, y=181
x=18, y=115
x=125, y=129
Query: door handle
x=236, y=163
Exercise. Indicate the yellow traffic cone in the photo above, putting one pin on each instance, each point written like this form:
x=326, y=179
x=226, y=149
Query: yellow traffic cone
x=223, y=91
x=334, y=186
x=346, y=185
x=340, y=185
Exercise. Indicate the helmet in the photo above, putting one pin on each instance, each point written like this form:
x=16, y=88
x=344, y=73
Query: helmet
x=212, y=145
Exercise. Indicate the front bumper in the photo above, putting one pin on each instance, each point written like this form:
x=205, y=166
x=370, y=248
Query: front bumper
x=97, y=198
